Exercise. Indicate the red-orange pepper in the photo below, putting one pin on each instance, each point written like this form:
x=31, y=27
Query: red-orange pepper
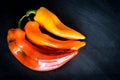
x=32, y=29
x=39, y=59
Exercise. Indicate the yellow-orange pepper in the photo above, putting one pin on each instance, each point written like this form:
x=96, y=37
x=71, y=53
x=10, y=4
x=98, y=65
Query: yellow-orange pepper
x=34, y=34
x=52, y=23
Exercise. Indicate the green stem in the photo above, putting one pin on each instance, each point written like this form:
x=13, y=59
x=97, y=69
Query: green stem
x=28, y=13
x=19, y=22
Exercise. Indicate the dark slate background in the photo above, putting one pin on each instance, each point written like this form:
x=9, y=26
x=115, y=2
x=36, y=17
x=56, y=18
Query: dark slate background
x=98, y=20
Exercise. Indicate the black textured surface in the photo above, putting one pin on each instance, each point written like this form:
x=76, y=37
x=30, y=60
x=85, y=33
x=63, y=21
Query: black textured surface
x=98, y=20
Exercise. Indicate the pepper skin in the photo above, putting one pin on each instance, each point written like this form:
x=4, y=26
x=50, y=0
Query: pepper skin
x=36, y=58
x=51, y=23
x=34, y=34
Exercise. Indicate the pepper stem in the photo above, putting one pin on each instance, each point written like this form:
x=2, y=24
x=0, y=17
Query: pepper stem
x=28, y=13
x=19, y=22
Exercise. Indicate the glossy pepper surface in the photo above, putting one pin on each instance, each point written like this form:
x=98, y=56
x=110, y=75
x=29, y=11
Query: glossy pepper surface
x=39, y=51
x=32, y=29
x=52, y=23
x=40, y=58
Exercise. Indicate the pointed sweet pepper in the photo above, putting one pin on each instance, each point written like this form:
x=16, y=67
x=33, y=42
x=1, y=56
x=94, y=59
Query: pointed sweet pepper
x=52, y=23
x=36, y=58
x=33, y=33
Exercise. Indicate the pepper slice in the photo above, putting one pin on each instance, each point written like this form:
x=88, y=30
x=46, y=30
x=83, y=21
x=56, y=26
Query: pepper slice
x=34, y=34
x=52, y=23
x=39, y=59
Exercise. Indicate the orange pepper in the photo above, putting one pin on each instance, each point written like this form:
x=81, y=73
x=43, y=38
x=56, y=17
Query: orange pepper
x=34, y=34
x=52, y=23
x=37, y=58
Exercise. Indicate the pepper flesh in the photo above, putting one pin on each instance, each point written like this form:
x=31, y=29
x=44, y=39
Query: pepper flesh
x=34, y=34
x=39, y=59
x=52, y=23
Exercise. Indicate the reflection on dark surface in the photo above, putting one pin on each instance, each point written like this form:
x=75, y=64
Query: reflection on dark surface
x=98, y=20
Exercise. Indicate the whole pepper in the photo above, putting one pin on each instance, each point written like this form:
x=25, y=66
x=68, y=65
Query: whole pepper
x=34, y=34
x=37, y=58
x=52, y=23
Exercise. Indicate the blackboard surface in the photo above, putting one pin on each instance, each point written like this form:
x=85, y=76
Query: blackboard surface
x=98, y=20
